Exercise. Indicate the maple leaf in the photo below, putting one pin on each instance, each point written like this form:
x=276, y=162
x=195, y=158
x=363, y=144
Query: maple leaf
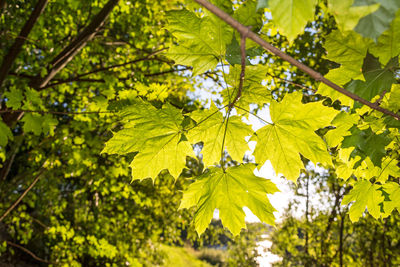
x=346, y=15
x=366, y=143
x=156, y=134
x=214, y=130
x=202, y=40
x=377, y=79
x=368, y=170
x=388, y=45
x=292, y=133
x=14, y=98
x=374, y=24
x=347, y=49
x=229, y=191
x=365, y=195
x=283, y=15
x=343, y=122
x=5, y=134
x=393, y=190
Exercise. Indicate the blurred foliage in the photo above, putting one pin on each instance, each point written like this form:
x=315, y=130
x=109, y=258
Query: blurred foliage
x=317, y=231
x=84, y=211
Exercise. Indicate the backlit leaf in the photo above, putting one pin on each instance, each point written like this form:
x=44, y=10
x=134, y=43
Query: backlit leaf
x=291, y=134
x=291, y=16
x=229, y=191
x=365, y=195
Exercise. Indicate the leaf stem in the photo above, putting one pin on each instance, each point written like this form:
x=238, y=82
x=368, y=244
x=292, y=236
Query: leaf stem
x=243, y=66
x=224, y=137
x=255, y=115
x=206, y=118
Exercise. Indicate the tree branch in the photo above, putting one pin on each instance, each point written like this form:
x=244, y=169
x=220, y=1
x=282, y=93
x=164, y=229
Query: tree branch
x=292, y=83
x=267, y=46
x=122, y=64
x=12, y=207
x=15, y=49
x=28, y=251
x=68, y=53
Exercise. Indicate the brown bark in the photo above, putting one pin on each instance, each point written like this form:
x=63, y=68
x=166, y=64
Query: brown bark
x=15, y=49
x=68, y=53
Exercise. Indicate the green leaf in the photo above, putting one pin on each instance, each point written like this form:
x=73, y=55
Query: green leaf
x=253, y=92
x=393, y=190
x=389, y=168
x=340, y=76
x=262, y=4
x=233, y=53
x=32, y=123
x=5, y=134
x=348, y=49
x=346, y=15
x=229, y=191
x=365, y=195
x=393, y=100
x=366, y=143
x=38, y=124
x=247, y=15
x=202, y=41
x=14, y=98
x=33, y=99
x=388, y=45
x=343, y=122
x=377, y=79
x=211, y=129
x=156, y=134
x=374, y=24
x=292, y=133
x=291, y=16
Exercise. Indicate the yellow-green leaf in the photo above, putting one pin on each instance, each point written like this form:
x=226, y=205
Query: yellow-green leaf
x=292, y=133
x=229, y=191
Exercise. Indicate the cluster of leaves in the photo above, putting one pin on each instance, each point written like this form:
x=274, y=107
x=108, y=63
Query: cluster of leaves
x=359, y=142
x=80, y=208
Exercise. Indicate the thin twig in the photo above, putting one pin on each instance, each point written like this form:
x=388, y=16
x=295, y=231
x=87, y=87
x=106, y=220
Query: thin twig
x=29, y=252
x=122, y=64
x=242, y=29
x=12, y=207
x=292, y=83
x=53, y=112
x=255, y=115
x=206, y=118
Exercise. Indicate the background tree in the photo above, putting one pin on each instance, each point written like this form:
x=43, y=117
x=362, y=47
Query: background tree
x=67, y=66
x=316, y=229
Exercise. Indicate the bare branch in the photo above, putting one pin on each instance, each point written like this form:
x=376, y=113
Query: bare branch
x=122, y=64
x=267, y=46
x=292, y=83
x=28, y=251
x=15, y=49
x=12, y=207
x=68, y=53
